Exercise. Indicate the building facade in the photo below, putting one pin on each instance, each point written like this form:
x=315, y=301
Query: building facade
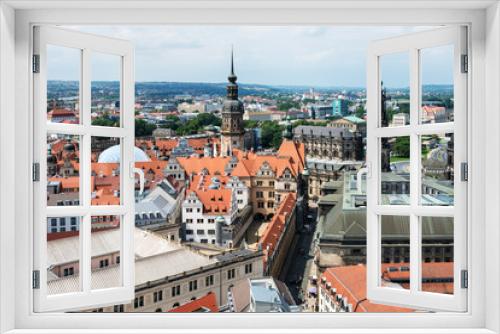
x=340, y=107
x=342, y=229
x=167, y=274
x=330, y=143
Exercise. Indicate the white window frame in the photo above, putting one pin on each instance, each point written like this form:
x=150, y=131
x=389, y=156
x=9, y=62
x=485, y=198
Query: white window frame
x=411, y=44
x=87, y=44
x=16, y=18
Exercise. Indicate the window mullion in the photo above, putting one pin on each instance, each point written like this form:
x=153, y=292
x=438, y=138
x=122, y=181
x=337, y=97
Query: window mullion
x=85, y=174
x=414, y=171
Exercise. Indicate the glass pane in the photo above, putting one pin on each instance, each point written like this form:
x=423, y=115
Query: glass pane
x=105, y=86
x=63, y=255
x=437, y=169
x=395, y=91
x=63, y=170
x=395, y=252
x=106, y=170
x=437, y=254
x=63, y=84
x=395, y=170
x=106, y=244
x=436, y=66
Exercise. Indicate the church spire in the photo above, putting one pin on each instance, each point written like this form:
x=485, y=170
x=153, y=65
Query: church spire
x=232, y=77
x=232, y=129
x=232, y=86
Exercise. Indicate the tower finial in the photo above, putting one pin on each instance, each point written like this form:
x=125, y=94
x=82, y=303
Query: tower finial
x=232, y=59
x=232, y=77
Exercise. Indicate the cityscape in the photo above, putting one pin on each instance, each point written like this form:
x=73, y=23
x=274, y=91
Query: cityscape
x=254, y=197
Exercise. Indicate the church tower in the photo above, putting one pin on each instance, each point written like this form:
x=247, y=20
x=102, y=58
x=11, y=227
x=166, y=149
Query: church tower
x=232, y=130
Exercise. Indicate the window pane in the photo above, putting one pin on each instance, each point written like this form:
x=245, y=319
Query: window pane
x=105, y=86
x=106, y=170
x=395, y=93
x=106, y=243
x=437, y=169
x=437, y=254
x=395, y=170
x=63, y=170
x=63, y=255
x=436, y=66
x=395, y=252
x=63, y=84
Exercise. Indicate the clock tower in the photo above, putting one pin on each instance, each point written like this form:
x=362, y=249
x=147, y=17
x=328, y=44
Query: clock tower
x=232, y=130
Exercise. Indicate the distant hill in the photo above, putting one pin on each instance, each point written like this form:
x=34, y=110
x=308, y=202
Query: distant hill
x=59, y=89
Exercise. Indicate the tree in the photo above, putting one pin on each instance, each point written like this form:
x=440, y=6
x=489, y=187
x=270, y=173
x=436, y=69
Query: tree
x=197, y=124
x=286, y=105
x=106, y=120
x=205, y=119
x=401, y=147
x=360, y=111
x=143, y=128
x=305, y=122
x=250, y=124
x=271, y=134
x=172, y=122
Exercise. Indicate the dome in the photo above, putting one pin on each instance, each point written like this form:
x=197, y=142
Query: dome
x=112, y=154
x=437, y=158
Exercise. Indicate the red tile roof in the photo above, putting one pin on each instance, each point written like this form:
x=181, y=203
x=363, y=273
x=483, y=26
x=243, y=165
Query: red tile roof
x=437, y=276
x=206, y=303
x=194, y=165
x=60, y=112
x=350, y=282
x=276, y=227
x=215, y=201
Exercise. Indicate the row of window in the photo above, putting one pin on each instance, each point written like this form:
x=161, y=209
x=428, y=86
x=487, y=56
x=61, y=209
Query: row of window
x=176, y=290
x=261, y=204
x=62, y=221
x=63, y=229
x=261, y=183
x=200, y=220
x=190, y=210
x=200, y=232
x=260, y=194
x=151, y=215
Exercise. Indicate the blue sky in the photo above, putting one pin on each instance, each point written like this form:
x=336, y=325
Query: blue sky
x=276, y=55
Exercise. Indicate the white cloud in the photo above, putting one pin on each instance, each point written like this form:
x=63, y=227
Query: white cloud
x=288, y=55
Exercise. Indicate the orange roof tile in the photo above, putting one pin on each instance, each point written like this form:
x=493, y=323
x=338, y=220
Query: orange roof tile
x=194, y=165
x=206, y=303
x=275, y=228
x=296, y=151
x=69, y=182
x=350, y=282
x=215, y=201
x=431, y=270
x=60, y=112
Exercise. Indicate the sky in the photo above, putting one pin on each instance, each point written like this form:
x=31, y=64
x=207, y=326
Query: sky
x=316, y=56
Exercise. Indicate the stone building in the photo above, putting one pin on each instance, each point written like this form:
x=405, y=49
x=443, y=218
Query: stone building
x=167, y=274
x=331, y=143
x=341, y=237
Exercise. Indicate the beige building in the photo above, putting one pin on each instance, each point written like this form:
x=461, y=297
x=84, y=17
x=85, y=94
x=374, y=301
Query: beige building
x=166, y=274
x=352, y=123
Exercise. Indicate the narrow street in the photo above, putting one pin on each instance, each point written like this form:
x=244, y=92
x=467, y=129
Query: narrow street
x=302, y=258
